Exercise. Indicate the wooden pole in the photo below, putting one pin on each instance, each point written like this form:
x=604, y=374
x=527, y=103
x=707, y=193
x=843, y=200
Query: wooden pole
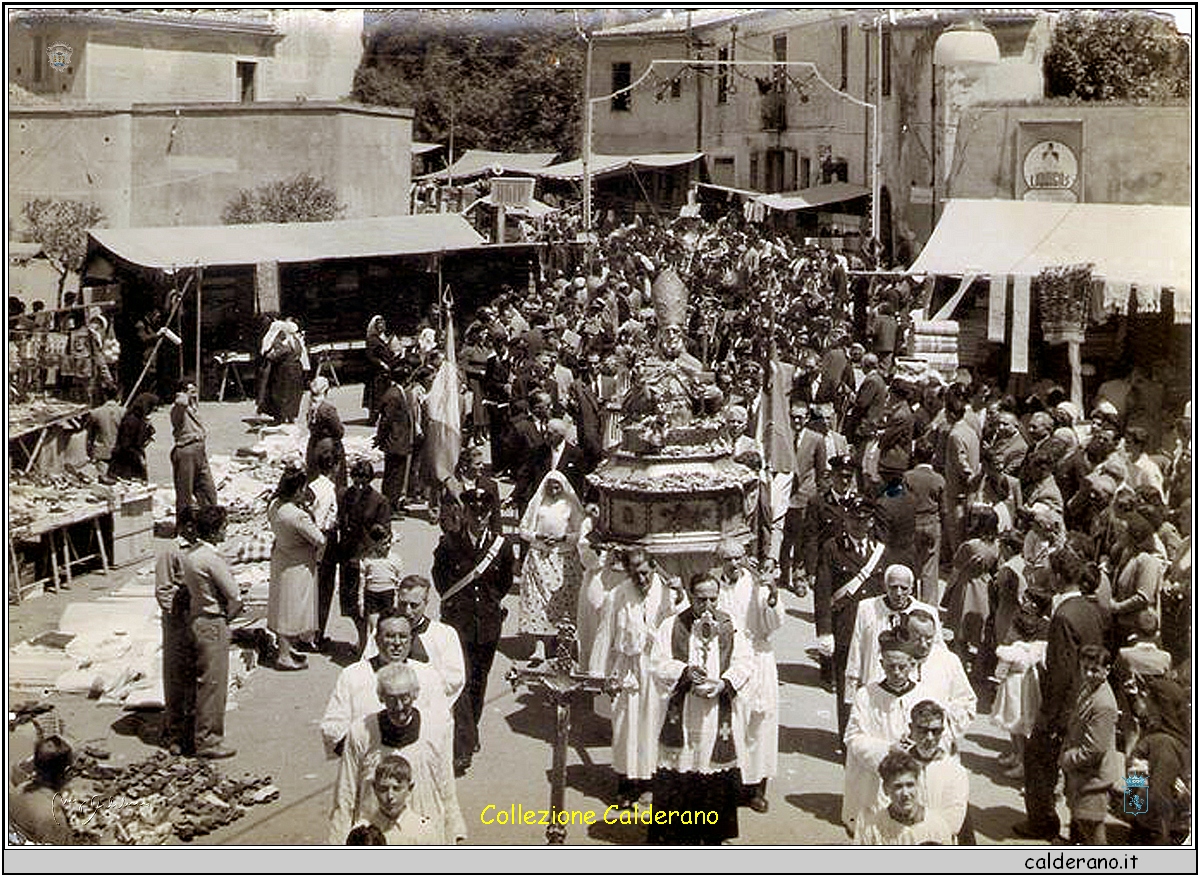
x=157, y=344
x=199, y=311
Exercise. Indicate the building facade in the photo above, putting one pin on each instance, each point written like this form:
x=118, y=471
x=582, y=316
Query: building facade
x=772, y=127
x=160, y=118
x=147, y=56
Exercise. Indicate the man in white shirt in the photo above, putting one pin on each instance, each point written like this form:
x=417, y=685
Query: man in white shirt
x=630, y=616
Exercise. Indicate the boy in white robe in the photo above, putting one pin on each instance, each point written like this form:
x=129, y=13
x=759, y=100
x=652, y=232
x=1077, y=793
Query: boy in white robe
x=398, y=824
x=944, y=784
x=903, y=820
x=878, y=721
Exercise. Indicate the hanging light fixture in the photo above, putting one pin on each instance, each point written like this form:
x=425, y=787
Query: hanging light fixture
x=964, y=44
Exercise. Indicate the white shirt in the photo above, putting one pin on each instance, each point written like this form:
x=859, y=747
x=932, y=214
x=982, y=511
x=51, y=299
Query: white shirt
x=325, y=508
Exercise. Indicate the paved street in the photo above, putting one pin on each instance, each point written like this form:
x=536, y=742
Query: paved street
x=274, y=727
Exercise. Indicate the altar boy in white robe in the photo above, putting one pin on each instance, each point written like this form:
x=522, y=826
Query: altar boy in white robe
x=701, y=663
x=756, y=613
x=878, y=721
x=630, y=616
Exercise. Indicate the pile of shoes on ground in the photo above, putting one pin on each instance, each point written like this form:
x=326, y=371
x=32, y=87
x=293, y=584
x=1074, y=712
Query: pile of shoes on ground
x=147, y=801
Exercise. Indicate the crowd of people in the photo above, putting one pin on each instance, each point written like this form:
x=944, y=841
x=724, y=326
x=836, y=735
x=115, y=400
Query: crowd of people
x=966, y=551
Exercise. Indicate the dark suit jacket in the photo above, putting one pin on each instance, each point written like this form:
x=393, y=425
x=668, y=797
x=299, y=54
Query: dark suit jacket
x=586, y=408
x=895, y=518
x=837, y=376
x=531, y=451
x=397, y=430
x=358, y=510
x=475, y=610
x=839, y=562
x=1077, y=622
x=867, y=411
x=573, y=465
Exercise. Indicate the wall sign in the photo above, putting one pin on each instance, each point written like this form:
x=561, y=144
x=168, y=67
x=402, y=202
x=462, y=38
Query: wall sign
x=1049, y=161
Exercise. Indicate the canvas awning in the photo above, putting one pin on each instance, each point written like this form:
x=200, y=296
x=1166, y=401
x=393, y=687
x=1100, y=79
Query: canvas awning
x=1146, y=245
x=419, y=148
x=535, y=209
x=606, y=165
x=182, y=246
x=482, y=162
x=814, y=196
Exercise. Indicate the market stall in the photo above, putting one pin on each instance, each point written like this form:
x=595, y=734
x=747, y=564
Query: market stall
x=1062, y=269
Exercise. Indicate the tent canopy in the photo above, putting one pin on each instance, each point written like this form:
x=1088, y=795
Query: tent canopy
x=607, y=165
x=419, y=148
x=182, y=246
x=1142, y=244
x=481, y=162
x=814, y=196
x=535, y=209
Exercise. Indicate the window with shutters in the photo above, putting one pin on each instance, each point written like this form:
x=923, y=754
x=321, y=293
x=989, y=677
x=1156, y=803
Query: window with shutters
x=754, y=171
x=805, y=173
x=886, y=84
x=722, y=77
x=622, y=75
x=845, y=55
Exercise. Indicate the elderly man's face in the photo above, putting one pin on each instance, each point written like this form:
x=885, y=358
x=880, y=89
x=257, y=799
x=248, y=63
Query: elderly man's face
x=398, y=698
x=394, y=639
x=899, y=592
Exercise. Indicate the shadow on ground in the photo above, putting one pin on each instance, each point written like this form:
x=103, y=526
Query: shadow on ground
x=536, y=719
x=800, y=674
x=146, y=725
x=825, y=806
x=815, y=742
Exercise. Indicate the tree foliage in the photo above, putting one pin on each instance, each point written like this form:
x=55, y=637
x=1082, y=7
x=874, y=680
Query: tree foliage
x=60, y=226
x=302, y=198
x=516, y=87
x=1116, y=55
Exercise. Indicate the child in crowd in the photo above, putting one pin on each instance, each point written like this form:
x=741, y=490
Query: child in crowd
x=1018, y=698
x=1089, y=758
x=966, y=599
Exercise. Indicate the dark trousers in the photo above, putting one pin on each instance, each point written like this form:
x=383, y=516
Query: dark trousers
x=349, y=577
x=193, y=481
x=843, y=631
x=1041, y=776
x=179, y=682
x=477, y=658
x=326, y=573
x=393, y=486
x=927, y=546
x=790, y=548
x=211, y=634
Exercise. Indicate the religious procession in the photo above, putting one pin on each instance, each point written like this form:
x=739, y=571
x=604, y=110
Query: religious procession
x=693, y=525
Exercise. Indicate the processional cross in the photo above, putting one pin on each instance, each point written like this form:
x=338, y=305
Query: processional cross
x=559, y=681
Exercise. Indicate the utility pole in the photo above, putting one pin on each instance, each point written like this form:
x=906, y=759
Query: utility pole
x=587, y=151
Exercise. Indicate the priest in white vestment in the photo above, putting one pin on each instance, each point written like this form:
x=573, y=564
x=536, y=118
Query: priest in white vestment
x=875, y=615
x=941, y=675
x=701, y=664
x=756, y=613
x=632, y=612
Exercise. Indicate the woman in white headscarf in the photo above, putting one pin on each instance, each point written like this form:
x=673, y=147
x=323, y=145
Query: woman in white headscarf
x=552, y=571
x=282, y=382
